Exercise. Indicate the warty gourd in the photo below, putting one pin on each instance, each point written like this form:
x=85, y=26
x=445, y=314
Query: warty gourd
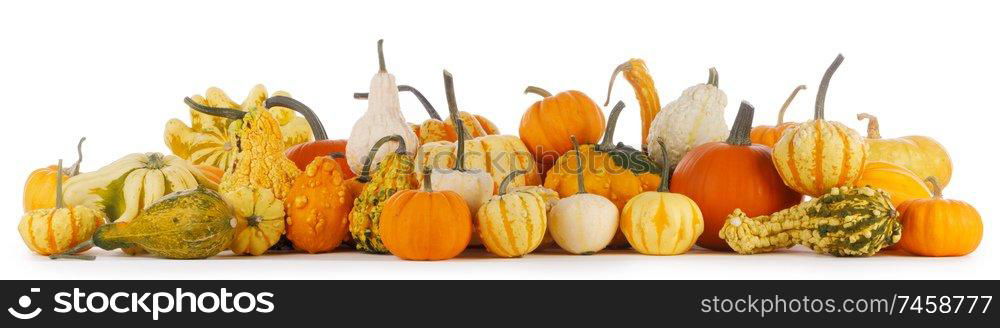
x=694, y=118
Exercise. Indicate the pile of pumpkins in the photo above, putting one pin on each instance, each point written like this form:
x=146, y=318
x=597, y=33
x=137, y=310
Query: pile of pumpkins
x=262, y=176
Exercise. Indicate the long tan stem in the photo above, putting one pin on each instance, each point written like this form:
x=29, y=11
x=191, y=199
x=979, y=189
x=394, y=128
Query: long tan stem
x=537, y=91
x=614, y=75
x=824, y=85
x=784, y=107
x=873, y=129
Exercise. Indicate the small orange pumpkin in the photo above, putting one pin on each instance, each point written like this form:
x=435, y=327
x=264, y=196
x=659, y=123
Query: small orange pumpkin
x=426, y=224
x=547, y=125
x=39, y=190
x=724, y=176
x=901, y=184
x=768, y=135
x=939, y=227
x=318, y=206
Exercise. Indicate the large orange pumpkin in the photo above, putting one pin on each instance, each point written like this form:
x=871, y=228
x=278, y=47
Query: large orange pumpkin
x=39, y=189
x=939, y=227
x=723, y=176
x=426, y=224
x=768, y=135
x=318, y=206
x=901, y=184
x=547, y=125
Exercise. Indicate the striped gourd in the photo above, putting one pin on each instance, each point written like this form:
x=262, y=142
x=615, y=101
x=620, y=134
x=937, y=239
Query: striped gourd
x=848, y=221
x=818, y=155
x=58, y=230
x=512, y=224
x=661, y=222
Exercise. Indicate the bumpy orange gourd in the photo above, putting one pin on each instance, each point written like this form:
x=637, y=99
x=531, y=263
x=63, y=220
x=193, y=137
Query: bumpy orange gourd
x=819, y=155
x=318, y=206
x=939, y=227
x=901, y=184
x=723, y=176
x=768, y=135
x=547, y=125
x=39, y=189
x=922, y=155
x=637, y=74
x=426, y=224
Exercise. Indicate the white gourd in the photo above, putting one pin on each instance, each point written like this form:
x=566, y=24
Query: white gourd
x=694, y=118
x=383, y=118
x=583, y=223
x=475, y=186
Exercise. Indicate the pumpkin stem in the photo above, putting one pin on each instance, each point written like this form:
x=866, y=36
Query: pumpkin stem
x=935, y=187
x=664, y=171
x=508, y=179
x=608, y=143
x=365, y=176
x=781, y=112
x=420, y=97
x=537, y=91
x=624, y=66
x=460, y=149
x=337, y=154
x=449, y=92
x=75, y=169
x=72, y=252
x=59, y=187
x=233, y=114
x=319, y=132
x=381, y=58
x=873, y=130
x=824, y=85
x=713, y=77
x=581, y=188
x=426, y=176
x=740, y=133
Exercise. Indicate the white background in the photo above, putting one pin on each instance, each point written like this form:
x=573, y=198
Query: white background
x=115, y=72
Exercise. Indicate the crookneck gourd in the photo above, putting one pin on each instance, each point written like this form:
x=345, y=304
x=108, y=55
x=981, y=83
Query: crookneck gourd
x=637, y=75
x=392, y=174
x=848, y=221
x=189, y=224
x=208, y=140
x=768, y=135
x=260, y=159
x=497, y=155
x=39, y=189
x=694, y=118
x=383, y=118
x=818, y=155
x=123, y=188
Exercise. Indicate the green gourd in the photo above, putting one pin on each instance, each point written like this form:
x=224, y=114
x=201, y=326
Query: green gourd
x=189, y=224
x=848, y=221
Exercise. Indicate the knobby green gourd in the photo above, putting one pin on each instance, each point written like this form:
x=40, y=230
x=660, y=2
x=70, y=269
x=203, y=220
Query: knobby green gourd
x=190, y=224
x=848, y=221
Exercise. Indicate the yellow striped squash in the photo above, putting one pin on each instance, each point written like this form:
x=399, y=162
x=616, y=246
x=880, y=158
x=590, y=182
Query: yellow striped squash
x=512, y=224
x=61, y=229
x=819, y=155
x=661, y=222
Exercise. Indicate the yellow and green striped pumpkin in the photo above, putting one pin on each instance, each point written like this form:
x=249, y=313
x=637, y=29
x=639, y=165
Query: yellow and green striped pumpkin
x=512, y=224
x=819, y=155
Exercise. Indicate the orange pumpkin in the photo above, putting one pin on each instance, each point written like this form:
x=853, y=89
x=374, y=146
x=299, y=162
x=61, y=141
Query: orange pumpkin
x=425, y=224
x=901, y=184
x=939, y=227
x=211, y=172
x=547, y=125
x=768, y=135
x=39, y=190
x=318, y=206
x=724, y=176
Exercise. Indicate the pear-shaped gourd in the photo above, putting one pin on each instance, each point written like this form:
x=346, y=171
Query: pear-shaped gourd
x=475, y=186
x=383, y=118
x=694, y=118
x=583, y=223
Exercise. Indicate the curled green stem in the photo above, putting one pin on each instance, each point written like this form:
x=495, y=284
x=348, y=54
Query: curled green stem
x=608, y=142
x=365, y=175
x=508, y=180
x=420, y=97
x=319, y=132
x=233, y=114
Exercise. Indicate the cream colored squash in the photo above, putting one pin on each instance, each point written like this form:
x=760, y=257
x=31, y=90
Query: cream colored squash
x=260, y=219
x=583, y=223
x=383, y=118
x=694, y=118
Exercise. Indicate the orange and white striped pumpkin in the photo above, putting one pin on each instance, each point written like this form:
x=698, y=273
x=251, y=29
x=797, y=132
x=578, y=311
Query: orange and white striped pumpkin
x=58, y=230
x=512, y=224
x=819, y=155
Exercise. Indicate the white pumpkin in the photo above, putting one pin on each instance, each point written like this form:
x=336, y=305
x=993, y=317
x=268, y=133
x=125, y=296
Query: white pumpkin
x=694, y=118
x=383, y=118
x=583, y=223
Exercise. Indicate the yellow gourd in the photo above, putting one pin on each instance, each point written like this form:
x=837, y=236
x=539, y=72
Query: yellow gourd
x=59, y=230
x=260, y=219
x=512, y=224
x=922, y=155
